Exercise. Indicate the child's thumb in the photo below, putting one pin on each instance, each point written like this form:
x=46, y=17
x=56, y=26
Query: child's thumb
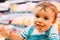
x=11, y=31
x=3, y=28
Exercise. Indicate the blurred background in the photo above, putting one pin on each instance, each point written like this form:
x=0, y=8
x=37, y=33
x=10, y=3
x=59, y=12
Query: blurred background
x=18, y=14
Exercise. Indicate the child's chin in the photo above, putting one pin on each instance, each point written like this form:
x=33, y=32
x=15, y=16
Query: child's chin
x=41, y=30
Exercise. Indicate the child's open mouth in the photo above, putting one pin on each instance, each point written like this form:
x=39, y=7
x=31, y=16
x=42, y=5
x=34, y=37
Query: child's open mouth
x=40, y=25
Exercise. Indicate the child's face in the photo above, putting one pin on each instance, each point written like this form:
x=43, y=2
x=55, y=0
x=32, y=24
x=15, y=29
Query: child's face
x=43, y=19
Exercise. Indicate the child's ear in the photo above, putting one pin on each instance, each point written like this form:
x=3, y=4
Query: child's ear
x=54, y=21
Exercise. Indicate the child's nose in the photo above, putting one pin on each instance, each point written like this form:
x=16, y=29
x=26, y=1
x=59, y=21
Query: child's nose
x=40, y=20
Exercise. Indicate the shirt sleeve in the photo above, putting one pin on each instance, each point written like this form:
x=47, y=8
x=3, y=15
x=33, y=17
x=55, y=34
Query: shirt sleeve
x=24, y=33
x=54, y=33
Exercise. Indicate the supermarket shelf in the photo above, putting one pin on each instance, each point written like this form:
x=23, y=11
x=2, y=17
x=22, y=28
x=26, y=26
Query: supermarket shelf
x=22, y=26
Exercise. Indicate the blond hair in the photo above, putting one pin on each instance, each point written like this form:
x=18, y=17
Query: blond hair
x=46, y=4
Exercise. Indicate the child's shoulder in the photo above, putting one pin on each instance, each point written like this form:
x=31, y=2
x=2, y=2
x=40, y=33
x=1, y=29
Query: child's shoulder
x=55, y=25
x=54, y=28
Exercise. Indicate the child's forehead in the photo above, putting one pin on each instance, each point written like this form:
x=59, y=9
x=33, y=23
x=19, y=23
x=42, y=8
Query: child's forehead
x=45, y=12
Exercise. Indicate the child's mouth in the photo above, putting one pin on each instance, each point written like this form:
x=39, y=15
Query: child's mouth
x=40, y=25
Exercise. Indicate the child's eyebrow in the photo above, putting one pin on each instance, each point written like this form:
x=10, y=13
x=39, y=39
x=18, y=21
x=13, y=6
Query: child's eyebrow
x=47, y=16
x=36, y=14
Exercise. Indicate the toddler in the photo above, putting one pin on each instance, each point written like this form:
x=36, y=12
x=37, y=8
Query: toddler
x=44, y=27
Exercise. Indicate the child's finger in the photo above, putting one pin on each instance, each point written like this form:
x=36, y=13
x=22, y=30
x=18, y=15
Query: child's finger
x=2, y=29
x=1, y=26
x=11, y=31
x=3, y=32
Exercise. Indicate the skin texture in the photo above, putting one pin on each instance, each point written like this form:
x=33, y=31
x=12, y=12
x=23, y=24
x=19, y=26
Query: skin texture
x=43, y=19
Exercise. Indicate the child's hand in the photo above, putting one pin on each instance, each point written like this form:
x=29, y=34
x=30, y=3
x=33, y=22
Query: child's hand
x=11, y=35
x=4, y=32
x=14, y=36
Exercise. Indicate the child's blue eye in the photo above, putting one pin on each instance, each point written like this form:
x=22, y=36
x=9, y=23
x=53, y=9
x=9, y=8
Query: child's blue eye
x=46, y=18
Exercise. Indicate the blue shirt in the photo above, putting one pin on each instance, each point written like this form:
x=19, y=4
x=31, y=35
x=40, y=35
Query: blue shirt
x=50, y=34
